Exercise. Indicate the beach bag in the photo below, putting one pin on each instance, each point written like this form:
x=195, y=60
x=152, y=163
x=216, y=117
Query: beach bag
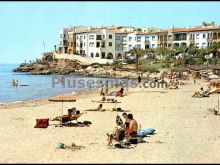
x=121, y=134
x=133, y=140
x=87, y=122
x=42, y=123
x=119, y=110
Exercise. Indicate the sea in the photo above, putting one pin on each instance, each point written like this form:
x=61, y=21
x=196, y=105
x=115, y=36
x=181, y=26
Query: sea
x=35, y=87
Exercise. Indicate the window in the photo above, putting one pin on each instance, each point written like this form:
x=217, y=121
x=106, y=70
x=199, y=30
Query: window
x=64, y=35
x=147, y=38
x=91, y=37
x=103, y=44
x=97, y=54
x=139, y=46
x=84, y=44
x=138, y=39
x=61, y=42
x=110, y=36
x=130, y=47
x=97, y=44
x=103, y=54
x=117, y=38
x=153, y=38
x=98, y=37
x=92, y=54
x=61, y=35
x=71, y=44
x=83, y=52
x=130, y=38
x=91, y=44
x=74, y=43
x=110, y=44
x=203, y=36
x=197, y=36
x=153, y=45
x=84, y=37
x=77, y=44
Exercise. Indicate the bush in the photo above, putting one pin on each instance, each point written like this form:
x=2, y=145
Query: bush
x=131, y=61
x=165, y=66
x=150, y=70
x=114, y=68
x=199, y=61
x=96, y=65
x=212, y=61
x=190, y=61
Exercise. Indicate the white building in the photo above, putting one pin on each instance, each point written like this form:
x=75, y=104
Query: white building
x=97, y=43
x=200, y=38
x=63, y=36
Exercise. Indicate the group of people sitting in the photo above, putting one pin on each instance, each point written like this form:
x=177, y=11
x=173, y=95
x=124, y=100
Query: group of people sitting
x=173, y=84
x=130, y=126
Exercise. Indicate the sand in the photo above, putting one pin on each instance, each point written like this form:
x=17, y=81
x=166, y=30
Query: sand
x=186, y=132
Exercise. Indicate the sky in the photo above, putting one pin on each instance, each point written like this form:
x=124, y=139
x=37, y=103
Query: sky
x=24, y=26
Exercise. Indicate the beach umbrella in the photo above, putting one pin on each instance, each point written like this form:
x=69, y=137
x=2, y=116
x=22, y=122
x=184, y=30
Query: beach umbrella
x=213, y=76
x=62, y=99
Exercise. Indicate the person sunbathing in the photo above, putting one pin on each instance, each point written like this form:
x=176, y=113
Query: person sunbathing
x=103, y=98
x=69, y=117
x=117, y=93
x=199, y=94
x=100, y=108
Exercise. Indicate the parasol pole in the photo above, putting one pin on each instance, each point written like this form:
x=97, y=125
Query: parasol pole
x=218, y=103
x=61, y=115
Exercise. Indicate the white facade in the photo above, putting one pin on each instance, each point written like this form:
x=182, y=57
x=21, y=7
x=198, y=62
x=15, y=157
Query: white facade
x=200, y=38
x=96, y=43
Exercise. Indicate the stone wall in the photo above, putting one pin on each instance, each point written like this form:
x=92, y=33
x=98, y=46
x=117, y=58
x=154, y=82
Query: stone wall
x=86, y=60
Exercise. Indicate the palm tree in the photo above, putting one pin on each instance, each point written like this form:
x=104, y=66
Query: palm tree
x=137, y=52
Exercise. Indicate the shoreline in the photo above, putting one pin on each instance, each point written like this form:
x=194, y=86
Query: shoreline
x=44, y=101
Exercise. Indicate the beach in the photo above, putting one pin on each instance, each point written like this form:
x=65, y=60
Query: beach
x=186, y=132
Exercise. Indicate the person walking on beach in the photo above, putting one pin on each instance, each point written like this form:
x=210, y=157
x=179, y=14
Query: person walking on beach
x=194, y=80
x=139, y=79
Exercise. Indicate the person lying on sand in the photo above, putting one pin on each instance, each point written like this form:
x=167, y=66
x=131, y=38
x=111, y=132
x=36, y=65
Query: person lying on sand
x=69, y=117
x=201, y=93
x=117, y=93
x=99, y=108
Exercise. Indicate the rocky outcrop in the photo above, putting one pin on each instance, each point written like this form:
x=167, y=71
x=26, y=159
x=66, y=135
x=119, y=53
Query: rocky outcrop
x=42, y=67
x=71, y=67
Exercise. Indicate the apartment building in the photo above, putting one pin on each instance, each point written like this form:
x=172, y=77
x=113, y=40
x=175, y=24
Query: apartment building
x=113, y=42
x=68, y=39
x=96, y=43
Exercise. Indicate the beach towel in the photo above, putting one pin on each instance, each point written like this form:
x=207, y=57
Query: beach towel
x=146, y=132
x=42, y=123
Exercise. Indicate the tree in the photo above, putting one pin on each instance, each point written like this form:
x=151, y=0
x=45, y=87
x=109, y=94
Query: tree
x=137, y=52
